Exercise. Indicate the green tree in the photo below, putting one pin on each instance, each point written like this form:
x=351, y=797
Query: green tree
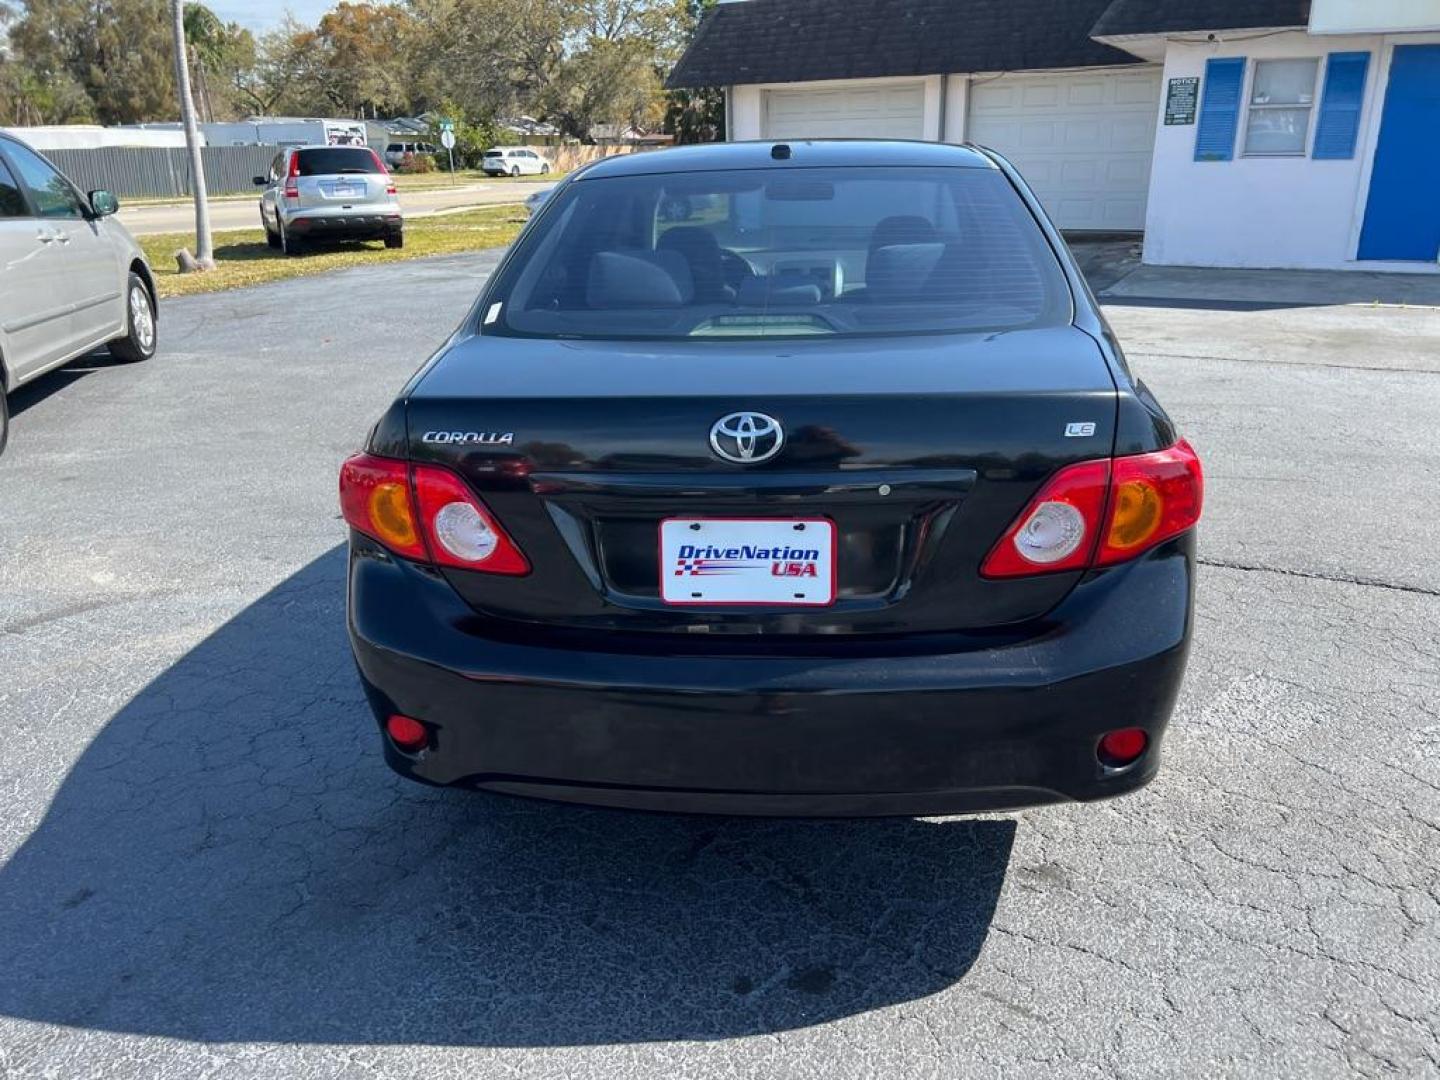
x=117, y=51
x=693, y=115
x=27, y=98
x=358, y=64
x=280, y=79
x=490, y=58
x=607, y=81
x=220, y=52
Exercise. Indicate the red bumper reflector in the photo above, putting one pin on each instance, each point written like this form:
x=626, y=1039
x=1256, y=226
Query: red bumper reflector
x=1122, y=747
x=406, y=732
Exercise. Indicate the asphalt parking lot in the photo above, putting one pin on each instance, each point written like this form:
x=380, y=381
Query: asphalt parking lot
x=206, y=870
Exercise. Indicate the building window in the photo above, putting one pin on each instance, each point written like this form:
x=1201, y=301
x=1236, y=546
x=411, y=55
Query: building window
x=1282, y=95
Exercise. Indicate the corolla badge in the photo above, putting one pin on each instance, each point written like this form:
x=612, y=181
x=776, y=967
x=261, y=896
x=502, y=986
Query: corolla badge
x=478, y=438
x=747, y=438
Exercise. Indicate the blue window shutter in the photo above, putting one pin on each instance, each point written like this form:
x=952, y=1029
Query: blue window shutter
x=1339, y=124
x=1220, y=109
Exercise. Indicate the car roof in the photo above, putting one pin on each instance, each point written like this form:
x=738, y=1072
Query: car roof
x=803, y=153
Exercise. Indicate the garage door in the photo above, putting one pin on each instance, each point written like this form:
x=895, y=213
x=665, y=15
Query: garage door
x=1083, y=140
x=893, y=111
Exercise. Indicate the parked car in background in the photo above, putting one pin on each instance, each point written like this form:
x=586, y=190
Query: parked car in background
x=315, y=194
x=513, y=161
x=72, y=277
x=535, y=199
x=400, y=154
x=837, y=498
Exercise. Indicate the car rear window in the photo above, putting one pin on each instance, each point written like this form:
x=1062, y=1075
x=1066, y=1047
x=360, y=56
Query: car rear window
x=782, y=253
x=494, y=153
x=336, y=159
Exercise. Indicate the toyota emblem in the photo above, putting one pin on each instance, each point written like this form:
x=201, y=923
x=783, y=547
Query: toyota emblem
x=747, y=438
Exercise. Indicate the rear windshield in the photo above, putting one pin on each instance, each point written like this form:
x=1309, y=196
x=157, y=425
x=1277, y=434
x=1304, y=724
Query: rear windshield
x=781, y=253
x=494, y=153
x=336, y=159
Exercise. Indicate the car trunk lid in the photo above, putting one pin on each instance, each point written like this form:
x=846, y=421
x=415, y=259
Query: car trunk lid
x=918, y=450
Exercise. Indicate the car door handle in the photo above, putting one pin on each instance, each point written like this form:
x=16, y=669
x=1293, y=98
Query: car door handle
x=63, y=237
x=45, y=238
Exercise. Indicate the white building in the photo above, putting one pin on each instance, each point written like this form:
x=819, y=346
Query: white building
x=93, y=136
x=286, y=131
x=1258, y=133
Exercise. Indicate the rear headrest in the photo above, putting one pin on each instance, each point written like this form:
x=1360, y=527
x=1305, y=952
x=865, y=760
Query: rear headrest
x=902, y=229
x=701, y=252
x=901, y=271
x=692, y=239
x=639, y=279
x=773, y=292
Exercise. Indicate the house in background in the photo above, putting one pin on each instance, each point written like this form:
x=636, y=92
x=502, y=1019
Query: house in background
x=1260, y=133
x=1077, y=116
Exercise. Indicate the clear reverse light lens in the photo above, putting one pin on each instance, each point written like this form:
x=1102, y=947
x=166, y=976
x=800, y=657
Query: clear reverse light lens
x=464, y=533
x=1052, y=532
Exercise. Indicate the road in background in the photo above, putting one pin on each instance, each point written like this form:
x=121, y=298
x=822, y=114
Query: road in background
x=206, y=869
x=245, y=213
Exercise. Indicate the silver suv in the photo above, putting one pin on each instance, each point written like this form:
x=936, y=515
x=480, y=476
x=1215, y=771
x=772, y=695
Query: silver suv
x=71, y=277
x=318, y=193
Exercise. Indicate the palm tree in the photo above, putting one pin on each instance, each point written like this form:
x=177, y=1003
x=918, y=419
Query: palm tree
x=204, y=247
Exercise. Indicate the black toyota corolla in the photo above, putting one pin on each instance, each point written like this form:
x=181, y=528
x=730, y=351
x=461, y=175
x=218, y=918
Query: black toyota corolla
x=778, y=479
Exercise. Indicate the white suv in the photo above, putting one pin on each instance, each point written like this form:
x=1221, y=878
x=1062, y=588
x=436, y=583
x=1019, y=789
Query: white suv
x=513, y=161
x=71, y=277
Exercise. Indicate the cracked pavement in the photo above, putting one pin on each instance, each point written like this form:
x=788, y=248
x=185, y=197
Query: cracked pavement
x=206, y=870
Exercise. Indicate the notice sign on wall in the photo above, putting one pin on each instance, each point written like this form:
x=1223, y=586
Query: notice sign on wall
x=1180, y=101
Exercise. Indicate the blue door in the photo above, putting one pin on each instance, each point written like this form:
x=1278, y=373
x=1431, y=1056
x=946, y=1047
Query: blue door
x=1402, y=218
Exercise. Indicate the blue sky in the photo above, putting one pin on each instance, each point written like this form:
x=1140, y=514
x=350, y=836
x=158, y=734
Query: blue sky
x=261, y=15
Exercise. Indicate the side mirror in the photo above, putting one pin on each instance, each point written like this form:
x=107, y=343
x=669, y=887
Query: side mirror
x=103, y=203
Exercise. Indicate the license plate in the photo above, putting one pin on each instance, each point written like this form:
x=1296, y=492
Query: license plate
x=788, y=562
x=347, y=191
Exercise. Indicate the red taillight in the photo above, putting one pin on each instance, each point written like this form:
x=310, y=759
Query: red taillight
x=462, y=532
x=292, y=187
x=1152, y=498
x=406, y=732
x=1057, y=531
x=375, y=498
x=383, y=171
x=1098, y=513
x=1122, y=747
x=425, y=513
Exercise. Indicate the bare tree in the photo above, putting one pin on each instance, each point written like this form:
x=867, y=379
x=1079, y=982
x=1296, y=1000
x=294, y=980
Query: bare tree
x=204, y=258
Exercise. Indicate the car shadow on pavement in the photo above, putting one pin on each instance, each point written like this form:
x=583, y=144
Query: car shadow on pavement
x=52, y=382
x=230, y=860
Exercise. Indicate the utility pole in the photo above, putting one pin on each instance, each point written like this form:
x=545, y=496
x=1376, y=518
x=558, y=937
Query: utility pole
x=204, y=258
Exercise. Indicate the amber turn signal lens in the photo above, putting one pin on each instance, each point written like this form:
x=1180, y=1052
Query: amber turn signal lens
x=391, y=517
x=1138, y=507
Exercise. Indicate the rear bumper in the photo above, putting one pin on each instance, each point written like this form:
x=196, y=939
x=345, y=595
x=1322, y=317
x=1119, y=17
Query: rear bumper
x=320, y=225
x=921, y=727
